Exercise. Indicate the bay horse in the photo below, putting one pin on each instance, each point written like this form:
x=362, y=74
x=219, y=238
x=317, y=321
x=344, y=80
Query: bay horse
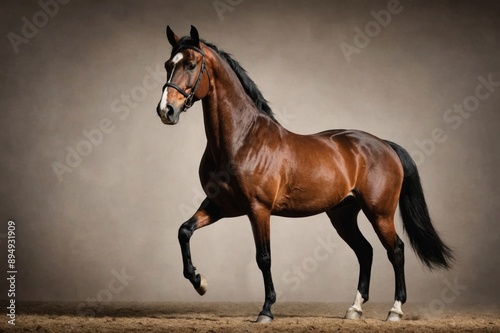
x=276, y=172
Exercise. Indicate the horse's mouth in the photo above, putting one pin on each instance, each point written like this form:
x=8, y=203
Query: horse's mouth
x=169, y=122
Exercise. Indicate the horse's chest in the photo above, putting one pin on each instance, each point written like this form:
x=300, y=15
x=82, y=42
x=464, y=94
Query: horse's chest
x=220, y=185
x=217, y=182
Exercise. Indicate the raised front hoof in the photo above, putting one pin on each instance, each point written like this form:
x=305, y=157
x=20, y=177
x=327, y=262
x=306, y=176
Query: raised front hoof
x=202, y=289
x=353, y=313
x=264, y=319
x=394, y=316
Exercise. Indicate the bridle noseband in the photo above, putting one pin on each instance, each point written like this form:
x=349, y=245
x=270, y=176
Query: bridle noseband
x=188, y=102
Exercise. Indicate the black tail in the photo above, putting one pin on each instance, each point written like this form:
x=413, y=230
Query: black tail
x=416, y=220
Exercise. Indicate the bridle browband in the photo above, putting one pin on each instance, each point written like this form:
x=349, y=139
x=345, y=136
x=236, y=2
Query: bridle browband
x=188, y=102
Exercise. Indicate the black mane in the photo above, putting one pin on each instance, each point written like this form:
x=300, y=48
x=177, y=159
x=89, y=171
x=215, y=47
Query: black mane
x=248, y=85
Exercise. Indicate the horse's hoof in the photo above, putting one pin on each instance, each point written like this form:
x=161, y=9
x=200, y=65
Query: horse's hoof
x=264, y=319
x=394, y=316
x=353, y=313
x=202, y=289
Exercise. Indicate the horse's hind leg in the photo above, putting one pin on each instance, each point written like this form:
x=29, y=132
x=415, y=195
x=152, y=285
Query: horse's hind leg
x=344, y=219
x=384, y=227
x=207, y=214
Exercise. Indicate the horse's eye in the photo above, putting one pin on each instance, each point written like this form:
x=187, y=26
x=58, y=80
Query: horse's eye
x=191, y=66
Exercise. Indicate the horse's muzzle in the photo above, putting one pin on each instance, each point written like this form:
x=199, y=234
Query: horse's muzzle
x=168, y=116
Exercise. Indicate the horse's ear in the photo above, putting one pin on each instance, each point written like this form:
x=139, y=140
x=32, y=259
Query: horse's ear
x=194, y=35
x=172, y=37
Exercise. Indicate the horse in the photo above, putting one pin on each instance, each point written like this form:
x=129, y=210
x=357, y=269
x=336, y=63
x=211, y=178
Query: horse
x=272, y=171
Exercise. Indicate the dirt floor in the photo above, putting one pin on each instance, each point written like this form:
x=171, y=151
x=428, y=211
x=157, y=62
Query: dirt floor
x=239, y=317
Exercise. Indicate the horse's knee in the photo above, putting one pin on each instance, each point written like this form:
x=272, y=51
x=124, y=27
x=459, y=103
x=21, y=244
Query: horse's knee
x=185, y=231
x=365, y=254
x=264, y=261
x=184, y=234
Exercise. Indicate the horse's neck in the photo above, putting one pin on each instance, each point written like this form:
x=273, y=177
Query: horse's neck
x=228, y=114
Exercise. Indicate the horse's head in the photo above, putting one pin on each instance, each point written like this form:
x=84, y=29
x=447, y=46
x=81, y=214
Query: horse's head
x=187, y=76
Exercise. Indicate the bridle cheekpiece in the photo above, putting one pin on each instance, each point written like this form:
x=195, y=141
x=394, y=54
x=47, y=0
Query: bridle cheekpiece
x=189, y=101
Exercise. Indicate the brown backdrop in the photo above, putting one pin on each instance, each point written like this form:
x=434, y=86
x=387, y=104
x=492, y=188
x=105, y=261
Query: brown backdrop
x=84, y=78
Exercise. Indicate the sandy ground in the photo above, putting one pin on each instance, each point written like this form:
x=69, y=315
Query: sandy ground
x=238, y=317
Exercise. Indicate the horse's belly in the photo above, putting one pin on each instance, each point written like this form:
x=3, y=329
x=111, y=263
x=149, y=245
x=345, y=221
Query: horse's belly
x=314, y=199
x=296, y=213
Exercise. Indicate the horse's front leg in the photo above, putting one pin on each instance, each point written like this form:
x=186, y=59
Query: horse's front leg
x=208, y=213
x=260, y=220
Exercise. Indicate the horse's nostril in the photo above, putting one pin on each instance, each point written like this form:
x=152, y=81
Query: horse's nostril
x=170, y=111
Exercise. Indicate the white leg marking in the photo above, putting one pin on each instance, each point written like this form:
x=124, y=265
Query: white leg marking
x=395, y=313
x=355, y=310
x=358, y=301
x=397, y=308
x=164, y=97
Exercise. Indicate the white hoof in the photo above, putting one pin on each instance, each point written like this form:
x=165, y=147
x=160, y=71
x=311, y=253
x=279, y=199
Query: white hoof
x=264, y=319
x=353, y=313
x=394, y=316
x=203, y=285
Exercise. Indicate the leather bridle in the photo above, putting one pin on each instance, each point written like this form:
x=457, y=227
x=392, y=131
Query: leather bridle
x=188, y=102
